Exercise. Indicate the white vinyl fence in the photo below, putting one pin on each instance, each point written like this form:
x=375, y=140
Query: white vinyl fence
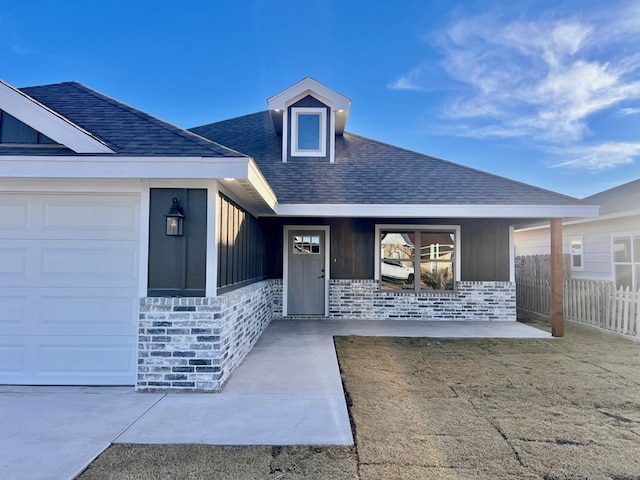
x=593, y=303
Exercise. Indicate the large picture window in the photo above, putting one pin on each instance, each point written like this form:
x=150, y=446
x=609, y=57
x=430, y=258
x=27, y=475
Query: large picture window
x=626, y=261
x=417, y=260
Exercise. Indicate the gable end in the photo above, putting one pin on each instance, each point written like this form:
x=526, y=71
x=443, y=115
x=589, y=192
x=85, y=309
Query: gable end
x=47, y=122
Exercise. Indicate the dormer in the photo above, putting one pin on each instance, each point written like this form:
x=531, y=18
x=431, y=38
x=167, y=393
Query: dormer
x=308, y=116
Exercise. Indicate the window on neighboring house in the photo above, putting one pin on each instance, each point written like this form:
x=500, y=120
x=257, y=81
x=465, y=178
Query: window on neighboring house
x=577, y=258
x=626, y=261
x=422, y=259
x=13, y=130
x=308, y=132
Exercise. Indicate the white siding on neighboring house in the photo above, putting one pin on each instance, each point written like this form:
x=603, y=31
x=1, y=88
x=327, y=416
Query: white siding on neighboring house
x=597, y=244
x=532, y=242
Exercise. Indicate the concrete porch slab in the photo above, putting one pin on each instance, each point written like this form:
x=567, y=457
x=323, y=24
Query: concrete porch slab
x=288, y=389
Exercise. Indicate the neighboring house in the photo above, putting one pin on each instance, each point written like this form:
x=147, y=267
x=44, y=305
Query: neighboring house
x=135, y=252
x=606, y=248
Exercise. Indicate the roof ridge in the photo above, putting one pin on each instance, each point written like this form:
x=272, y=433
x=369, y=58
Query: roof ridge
x=197, y=139
x=466, y=167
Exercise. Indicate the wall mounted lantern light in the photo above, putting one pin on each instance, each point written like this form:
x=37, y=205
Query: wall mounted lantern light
x=175, y=219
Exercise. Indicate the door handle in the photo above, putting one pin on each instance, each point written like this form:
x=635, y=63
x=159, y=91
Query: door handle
x=321, y=276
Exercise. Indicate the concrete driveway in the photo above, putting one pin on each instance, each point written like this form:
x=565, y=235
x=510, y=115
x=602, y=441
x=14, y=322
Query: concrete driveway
x=287, y=391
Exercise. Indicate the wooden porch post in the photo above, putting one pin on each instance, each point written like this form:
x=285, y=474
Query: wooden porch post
x=557, y=315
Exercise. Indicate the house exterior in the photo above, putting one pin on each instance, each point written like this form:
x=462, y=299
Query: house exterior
x=606, y=248
x=136, y=252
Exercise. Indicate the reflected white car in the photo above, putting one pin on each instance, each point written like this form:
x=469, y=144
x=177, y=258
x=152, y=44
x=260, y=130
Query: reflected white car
x=394, y=269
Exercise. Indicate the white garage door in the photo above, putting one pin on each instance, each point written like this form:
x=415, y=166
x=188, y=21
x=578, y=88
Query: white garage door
x=68, y=288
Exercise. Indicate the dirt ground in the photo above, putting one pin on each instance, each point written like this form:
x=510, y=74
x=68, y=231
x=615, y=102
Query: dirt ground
x=425, y=408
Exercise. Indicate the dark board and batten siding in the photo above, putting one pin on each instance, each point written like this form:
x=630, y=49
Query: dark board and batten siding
x=241, y=246
x=177, y=264
x=484, y=245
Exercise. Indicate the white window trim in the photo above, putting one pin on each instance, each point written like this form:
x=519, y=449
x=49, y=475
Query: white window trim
x=571, y=254
x=634, y=256
x=322, y=151
x=402, y=227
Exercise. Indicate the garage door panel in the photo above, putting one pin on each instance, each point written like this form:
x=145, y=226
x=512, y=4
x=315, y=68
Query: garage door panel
x=47, y=360
x=95, y=263
x=68, y=311
x=13, y=358
x=14, y=217
x=13, y=263
x=117, y=219
x=103, y=264
x=96, y=312
x=14, y=312
x=81, y=216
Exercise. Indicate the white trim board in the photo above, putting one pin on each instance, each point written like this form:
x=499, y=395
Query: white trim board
x=439, y=211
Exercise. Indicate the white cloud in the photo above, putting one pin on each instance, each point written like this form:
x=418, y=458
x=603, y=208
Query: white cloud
x=541, y=78
x=409, y=81
x=623, y=112
x=599, y=157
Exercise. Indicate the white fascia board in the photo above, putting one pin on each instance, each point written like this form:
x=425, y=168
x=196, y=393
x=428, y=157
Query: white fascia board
x=438, y=211
x=260, y=184
x=242, y=169
x=48, y=122
x=122, y=167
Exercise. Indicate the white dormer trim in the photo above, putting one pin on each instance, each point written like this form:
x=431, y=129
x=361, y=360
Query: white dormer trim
x=305, y=87
x=49, y=123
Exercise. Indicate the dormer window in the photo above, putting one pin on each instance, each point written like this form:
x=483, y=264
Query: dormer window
x=308, y=132
x=309, y=117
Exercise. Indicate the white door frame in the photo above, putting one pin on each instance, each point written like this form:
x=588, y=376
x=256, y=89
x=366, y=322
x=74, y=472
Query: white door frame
x=285, y=264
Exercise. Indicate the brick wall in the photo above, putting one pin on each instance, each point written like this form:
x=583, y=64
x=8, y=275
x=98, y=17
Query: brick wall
x=363, y=299
x=193, y=344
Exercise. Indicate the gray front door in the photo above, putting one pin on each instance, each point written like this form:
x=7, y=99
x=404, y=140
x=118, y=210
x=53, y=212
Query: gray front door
x=306, y=275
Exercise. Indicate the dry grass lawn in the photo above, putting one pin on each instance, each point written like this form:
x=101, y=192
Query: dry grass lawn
x=495, y=409
x=425, y=408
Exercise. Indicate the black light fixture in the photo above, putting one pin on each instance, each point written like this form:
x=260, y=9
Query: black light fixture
x=175, y=219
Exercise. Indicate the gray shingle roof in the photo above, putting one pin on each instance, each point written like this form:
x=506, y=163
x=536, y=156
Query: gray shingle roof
x=622, y=197
x=370, y=172
x=124, y=129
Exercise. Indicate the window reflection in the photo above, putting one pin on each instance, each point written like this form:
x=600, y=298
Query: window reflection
x=399, y=261
x=306, y=244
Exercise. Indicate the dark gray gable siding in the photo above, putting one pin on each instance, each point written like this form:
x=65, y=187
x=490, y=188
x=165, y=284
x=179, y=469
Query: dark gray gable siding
x=370, y=172
x=124, y=129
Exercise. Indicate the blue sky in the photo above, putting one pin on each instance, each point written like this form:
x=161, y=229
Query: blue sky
x=545, y=92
